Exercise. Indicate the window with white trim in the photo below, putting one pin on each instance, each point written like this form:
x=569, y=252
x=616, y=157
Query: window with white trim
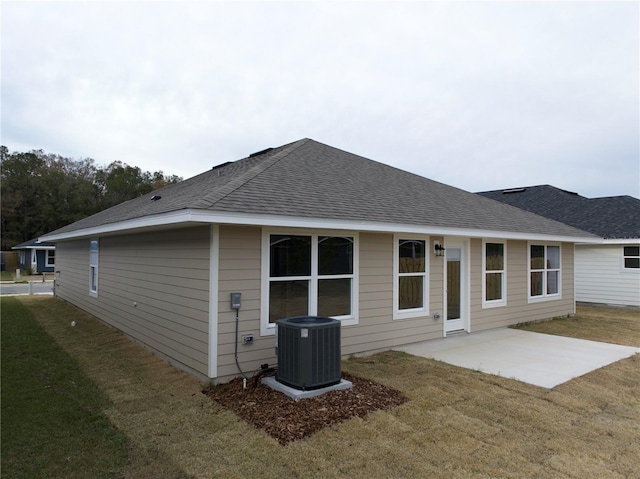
x=631, y=257
x=309, y=275
x=494, y=286
x=544, y=271
x=410, y=283
x=51, y=257
x=93, y=268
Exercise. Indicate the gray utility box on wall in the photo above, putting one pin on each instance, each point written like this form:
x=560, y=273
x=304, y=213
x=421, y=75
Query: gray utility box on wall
x=308, y=350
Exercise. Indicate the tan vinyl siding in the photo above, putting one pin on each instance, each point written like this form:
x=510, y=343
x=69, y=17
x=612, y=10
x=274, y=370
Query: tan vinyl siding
x=240, y=270
x=601, y=277
x=518, y=308
x=153, y=286
x=377, y=330
x=436, y=298
x=240, y=262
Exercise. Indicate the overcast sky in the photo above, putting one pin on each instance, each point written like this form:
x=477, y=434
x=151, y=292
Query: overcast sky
x=480, y=96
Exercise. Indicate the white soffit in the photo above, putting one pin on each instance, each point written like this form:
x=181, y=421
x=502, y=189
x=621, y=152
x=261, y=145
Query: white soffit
x=189, y=217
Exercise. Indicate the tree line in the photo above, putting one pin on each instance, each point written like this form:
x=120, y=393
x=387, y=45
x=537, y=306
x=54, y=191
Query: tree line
x=41, y=192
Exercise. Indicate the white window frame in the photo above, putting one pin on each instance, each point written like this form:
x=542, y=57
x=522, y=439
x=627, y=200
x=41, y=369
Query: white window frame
x=495, y=303
x=268, y=329
x=624, y=257
x=50, y=255
x=413, y=312
x=94, y=267
x=544, y=296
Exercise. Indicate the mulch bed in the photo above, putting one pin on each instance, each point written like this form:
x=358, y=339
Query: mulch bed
x=288, y=420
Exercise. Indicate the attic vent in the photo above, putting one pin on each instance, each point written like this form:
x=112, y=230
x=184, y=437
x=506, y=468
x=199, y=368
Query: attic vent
x=221, y=165
x=155, y=197
x=261, y=152
x=513, y=190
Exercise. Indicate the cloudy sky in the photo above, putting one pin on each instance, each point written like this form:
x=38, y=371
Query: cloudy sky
x=478, y=95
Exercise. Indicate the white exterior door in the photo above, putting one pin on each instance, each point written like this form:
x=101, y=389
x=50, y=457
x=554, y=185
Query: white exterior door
x=34, y=261
x=456, y=290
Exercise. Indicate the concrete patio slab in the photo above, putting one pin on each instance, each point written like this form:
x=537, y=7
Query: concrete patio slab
x=539, y=359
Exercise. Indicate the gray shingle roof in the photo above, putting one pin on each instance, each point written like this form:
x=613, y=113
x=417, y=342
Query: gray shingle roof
x=309, y=179
x=616, y=217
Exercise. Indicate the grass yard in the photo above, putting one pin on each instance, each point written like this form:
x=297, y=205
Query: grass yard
x=457, y=423
x=609, y=325
x=52, y=419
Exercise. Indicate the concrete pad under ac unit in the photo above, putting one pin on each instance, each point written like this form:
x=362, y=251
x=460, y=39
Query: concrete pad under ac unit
x=298, y=394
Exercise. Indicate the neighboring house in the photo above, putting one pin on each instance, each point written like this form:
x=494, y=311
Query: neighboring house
x=605, y=273
x=308, y=229
x=36, y=256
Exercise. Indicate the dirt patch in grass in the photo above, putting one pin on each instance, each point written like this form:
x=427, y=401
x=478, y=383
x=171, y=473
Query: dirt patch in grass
x=288, y=420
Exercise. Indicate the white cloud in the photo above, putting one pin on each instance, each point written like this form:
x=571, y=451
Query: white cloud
x=478, y=95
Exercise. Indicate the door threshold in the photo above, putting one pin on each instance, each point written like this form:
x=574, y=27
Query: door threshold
x=457, y=331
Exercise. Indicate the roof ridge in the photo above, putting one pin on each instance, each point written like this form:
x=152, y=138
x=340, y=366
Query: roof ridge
x=212, y=198
x=614, y=197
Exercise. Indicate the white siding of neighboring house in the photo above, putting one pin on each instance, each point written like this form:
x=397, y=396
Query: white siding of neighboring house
x=601, y=277
x=152, y=286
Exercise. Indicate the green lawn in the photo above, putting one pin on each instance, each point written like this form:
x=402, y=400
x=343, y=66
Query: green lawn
x=52, y=420
x=6, y=276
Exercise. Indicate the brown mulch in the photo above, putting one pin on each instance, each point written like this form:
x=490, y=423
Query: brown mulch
x=288, y=420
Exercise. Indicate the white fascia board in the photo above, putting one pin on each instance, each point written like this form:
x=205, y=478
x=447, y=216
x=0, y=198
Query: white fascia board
x=621, y=241
x=184, y=217
x=176, y=218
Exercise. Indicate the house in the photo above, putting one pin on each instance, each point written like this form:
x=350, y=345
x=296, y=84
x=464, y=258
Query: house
x=308, y=229
x=605, y=273
x=36, y=256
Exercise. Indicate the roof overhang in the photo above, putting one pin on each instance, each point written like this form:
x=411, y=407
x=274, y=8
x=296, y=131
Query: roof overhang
x=621, y=241
x=190, y=217
x=38, y=247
